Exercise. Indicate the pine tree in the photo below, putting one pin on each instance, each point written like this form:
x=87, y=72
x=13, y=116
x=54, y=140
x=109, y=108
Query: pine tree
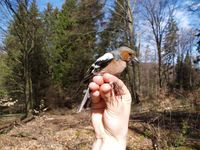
x=66, y=43
x=179, y=73
x=3, y=74
x=187, y=74
x=170, y=49
x=115, y=34
x=76, y=31
x=38, y=59
x=50, y=19
x=26, y=60
x=18, y=45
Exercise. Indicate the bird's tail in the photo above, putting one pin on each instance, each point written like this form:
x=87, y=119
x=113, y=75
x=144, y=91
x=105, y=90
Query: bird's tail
x=85, y=98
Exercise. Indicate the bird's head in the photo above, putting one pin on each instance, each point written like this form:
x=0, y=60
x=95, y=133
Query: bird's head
x=127, y=54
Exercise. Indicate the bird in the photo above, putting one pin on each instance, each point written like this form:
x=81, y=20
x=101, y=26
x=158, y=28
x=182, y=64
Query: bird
x=113, y=62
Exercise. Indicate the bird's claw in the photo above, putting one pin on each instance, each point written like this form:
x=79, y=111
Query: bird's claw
x=116, y=88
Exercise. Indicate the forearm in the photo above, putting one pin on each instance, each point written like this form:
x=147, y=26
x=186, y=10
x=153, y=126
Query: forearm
x=109, y=143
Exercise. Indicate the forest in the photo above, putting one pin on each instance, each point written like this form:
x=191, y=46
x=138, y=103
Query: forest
x=45, y=53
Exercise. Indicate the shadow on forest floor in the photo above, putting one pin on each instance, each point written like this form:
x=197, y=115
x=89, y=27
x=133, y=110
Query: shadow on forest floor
x=61, y=130
x=171, y=128
x=68, y=130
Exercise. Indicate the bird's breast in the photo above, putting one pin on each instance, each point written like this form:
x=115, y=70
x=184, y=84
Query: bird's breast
x=115, y=67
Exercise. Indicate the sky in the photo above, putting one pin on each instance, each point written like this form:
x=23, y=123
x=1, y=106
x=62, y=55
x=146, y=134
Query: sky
x=183, y=18
x=4, y=20
x=43, y=3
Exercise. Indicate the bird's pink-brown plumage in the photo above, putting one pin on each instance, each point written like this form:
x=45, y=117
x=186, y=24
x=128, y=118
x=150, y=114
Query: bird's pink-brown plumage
x=113, y=62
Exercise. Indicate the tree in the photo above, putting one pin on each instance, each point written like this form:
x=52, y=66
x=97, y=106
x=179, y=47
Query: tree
x=170, y=50
x=24, y=47
x=76, y=44
x=120, y=31
x=179, y=73
x=21, y=34
x=195, y=9
x=197, y=60
x=39, y=68
x=187, y=74
x=3, y=74
x=198, y=43
x=157, y=13
x=185, y=78
x=50, y=38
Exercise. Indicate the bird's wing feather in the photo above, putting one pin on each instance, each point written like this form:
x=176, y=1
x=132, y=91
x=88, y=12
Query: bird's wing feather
x=87, y=95
x=102, y=61
x=106, y=56
x=99, y=64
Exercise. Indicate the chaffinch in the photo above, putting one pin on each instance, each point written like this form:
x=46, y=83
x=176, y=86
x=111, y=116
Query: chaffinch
x=113, y=62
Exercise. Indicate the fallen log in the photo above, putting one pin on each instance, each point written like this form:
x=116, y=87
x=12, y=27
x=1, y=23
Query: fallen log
x=9, y=126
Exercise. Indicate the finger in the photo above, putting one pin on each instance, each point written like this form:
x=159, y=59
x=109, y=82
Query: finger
x=93, y=86
x=98, y=107
x=105, y=91
x=105, y=88
x=97, y=102
x=111, y=78
x=98, y=80
x=95, y=95
x=108, y=78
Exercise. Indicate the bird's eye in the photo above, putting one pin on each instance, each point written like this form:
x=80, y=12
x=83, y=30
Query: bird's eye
x=130, y=54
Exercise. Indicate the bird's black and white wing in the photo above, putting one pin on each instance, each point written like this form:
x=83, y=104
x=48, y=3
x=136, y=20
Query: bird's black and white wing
x=98, y=65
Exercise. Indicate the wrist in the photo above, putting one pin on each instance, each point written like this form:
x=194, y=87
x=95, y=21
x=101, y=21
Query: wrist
x=109, y=142
x=113, y=143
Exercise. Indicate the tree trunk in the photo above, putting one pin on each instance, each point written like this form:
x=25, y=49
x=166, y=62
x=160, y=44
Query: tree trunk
x=159, y=65
x=134, y=69
x=26, y=85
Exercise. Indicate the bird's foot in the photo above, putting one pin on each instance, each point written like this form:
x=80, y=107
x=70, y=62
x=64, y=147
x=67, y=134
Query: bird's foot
x=116, y=88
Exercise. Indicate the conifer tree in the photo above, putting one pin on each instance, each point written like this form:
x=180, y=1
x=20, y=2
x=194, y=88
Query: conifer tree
x=50, y=19
x=76, y=33
x=170, y=50
x=115, y=34
x=187, y=74
x=3, y=74
x=19, y=45
x=179, y=73
x=26, y=60
x=38, y=58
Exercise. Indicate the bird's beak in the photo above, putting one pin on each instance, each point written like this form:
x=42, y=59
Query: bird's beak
x=135, y=59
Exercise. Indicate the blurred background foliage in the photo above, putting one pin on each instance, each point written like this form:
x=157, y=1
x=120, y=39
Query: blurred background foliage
x=49, y=51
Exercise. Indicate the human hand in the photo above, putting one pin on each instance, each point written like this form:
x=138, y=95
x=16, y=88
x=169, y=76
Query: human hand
x=110, y=112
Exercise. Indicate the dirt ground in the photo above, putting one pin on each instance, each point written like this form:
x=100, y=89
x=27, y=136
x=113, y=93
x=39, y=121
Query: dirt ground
x=61, y=130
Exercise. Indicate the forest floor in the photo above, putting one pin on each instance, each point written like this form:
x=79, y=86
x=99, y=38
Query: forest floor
x=60, y=130
x=171, y=125
x=66, y=130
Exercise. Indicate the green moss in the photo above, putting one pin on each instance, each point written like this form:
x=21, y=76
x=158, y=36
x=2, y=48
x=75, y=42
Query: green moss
x=180, y=148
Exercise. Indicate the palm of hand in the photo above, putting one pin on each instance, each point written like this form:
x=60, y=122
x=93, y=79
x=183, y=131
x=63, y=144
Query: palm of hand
x=110, y=111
